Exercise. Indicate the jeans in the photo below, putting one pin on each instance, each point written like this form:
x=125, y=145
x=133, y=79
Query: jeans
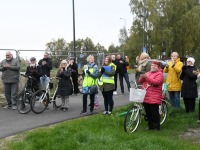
x=175, y=98
x=125, y=75
x=108, y=100
x=44, y=81
x=11, y=90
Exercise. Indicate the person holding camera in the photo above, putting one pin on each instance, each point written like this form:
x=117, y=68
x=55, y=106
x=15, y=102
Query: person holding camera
x=89, y=81
x=64, y=85
x=152, y=81
x=46, y=65
x=189, y=85
x=74, y=67
x=34, y=71
x=174, y=68
x=107, y=84
x=143, y=66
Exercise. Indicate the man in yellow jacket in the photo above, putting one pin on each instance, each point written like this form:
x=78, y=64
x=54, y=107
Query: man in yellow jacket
x=173, y=68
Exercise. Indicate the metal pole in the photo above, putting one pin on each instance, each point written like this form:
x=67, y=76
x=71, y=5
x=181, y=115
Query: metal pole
x=124, y=21
x=74, y=39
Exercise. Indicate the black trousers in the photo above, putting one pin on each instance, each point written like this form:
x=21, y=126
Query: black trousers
x=75, y=83
x=189, y=104
x=126, y=77
x=153, y=116
x=115, y=79
x=108, y=100
x=85, y=102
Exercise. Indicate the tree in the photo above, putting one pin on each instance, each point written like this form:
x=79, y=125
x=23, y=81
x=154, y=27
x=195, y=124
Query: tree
x=59, y=51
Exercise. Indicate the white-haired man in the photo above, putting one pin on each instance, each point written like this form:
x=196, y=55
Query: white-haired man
x=10, y=68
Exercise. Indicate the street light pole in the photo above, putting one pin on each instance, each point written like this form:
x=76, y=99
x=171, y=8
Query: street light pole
x=74, y=39
x=124, y=21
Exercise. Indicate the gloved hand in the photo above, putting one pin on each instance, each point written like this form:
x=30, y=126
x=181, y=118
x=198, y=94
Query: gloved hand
x=102, y=70
x=87, y=71
x=173, y=63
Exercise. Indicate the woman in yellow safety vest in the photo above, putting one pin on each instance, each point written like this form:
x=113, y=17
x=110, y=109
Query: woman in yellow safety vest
x=107, y=84
x=89, y=81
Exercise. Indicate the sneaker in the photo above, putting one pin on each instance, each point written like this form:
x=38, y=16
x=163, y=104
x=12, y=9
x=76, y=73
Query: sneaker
x=83, y=112
x=105, y=112
x=14, y=107
x=109, y=112
x=115, y=92
x=7, y=107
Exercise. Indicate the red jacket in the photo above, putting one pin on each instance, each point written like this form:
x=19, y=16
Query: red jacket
x=154, y=92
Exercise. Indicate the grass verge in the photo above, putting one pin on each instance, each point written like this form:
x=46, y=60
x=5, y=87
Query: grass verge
x=103, y=132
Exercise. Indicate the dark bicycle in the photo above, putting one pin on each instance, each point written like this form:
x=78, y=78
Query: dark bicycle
x=24, y=98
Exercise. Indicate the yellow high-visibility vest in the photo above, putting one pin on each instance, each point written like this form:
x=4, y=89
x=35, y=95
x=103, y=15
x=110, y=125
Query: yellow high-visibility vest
x=107, y=79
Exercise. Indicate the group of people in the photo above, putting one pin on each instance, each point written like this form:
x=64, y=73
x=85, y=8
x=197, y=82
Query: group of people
x=106, y=79
x=149, y=74
x=181, y=80
x=68, y=79
x=40, y=71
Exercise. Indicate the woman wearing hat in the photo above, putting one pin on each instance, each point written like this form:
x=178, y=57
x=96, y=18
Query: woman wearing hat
x=35, y=71
x=152, y=81
x=189, y=85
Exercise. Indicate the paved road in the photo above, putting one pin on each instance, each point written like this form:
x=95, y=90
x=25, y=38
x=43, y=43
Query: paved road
x=11, y=122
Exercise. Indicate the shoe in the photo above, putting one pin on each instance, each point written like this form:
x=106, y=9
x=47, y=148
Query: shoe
x=115, y=92
x=105, y=112
x=7, y=107
x=91, y=113
x=109, y=112
x=14, y=107
x=83, y=113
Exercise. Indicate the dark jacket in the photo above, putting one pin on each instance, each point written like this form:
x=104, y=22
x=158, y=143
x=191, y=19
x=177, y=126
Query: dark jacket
x=115, y=62
x=74, y=68
x=11, y=74
x=35, y=72
x=64, y=84
x=121, y=67
x=47, y=67
x=189, y=85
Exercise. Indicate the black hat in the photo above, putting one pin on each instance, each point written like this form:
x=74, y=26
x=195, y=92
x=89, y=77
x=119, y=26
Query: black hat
x=32, y=59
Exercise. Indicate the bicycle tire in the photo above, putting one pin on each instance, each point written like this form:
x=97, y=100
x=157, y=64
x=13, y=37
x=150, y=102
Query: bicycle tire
x=23, y=102
x=39, y=101
x=57, y=102
x=163, y=111
x=132, y=119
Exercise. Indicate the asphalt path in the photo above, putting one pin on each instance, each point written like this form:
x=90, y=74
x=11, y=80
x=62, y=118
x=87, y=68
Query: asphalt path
x=11, y=122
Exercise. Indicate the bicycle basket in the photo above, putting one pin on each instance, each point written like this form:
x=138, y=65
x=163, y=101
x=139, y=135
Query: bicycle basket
x=137, y=95
x=50, y=85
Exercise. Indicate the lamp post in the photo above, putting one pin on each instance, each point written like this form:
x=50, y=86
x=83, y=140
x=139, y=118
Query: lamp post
x=124, y=21
x=74, y=39
x=144, y=16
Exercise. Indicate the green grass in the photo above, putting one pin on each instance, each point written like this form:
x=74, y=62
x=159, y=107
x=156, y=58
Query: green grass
x=103, y=132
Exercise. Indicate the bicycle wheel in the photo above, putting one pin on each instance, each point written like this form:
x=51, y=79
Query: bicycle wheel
x=23, y=102
x=132, y=119
x=39, y=101
x=163, y=111
x=57, y=102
